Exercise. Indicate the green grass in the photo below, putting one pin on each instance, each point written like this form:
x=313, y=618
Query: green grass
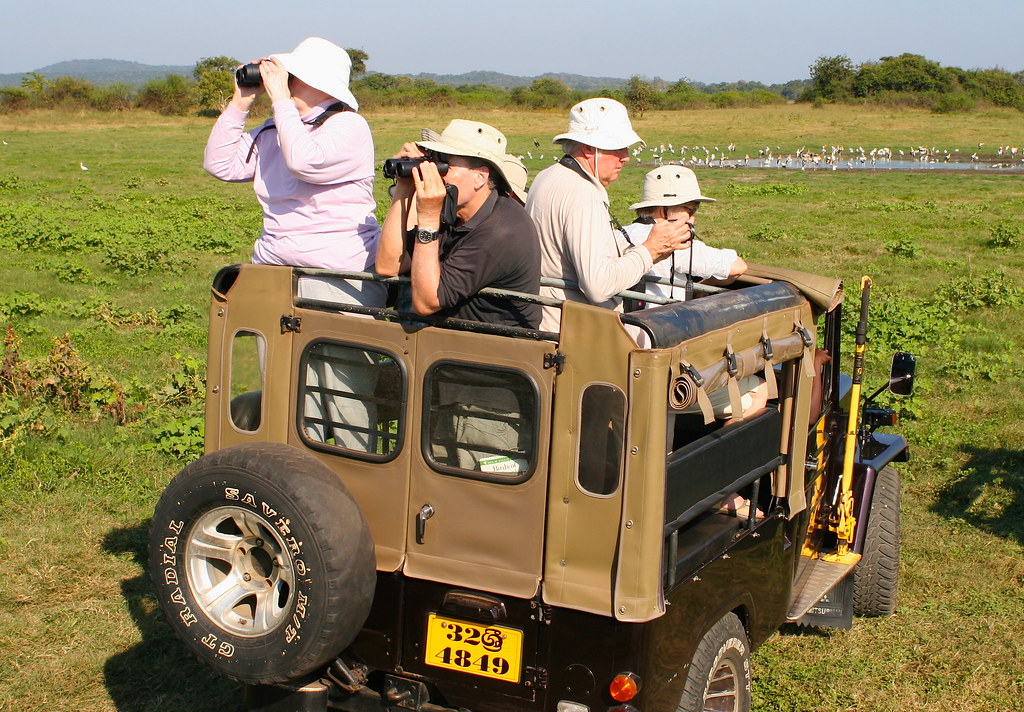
x=121, y=256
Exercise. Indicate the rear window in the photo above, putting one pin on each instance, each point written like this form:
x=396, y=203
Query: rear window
x=352, y=399
x=480, y=422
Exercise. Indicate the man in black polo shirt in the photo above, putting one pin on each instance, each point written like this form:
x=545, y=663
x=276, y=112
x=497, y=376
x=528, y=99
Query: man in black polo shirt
x=492, y=243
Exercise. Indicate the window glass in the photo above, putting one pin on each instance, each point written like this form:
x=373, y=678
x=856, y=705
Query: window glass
x=351, y=398
x=602, y=437
x=481, y=421
x=246, y=387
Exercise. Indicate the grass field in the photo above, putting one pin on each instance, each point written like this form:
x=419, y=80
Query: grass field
x=119, y=258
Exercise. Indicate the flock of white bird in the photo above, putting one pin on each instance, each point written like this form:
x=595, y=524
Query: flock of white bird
x=833, y=157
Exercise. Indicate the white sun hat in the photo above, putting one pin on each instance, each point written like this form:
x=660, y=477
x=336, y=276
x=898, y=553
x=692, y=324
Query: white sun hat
x=322, y=65
x=670, y=185
x=476, y=139
x=602, y=123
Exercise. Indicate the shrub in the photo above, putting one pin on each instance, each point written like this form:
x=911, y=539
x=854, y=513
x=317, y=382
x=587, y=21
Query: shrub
x=13, y=99
x=1005, y=234
x=957, y=103
x=767, y=233
x=902, y=247
x=171, y=95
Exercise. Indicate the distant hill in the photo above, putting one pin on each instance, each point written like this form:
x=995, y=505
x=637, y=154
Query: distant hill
x=508, y=81
x=112, y=71
x=101, y=72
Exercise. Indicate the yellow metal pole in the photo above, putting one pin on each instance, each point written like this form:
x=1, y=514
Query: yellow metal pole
x=847, y=521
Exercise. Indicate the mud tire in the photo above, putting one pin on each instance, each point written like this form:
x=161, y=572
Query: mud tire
x=718, y=679
x=262, y=562
x=875, y=578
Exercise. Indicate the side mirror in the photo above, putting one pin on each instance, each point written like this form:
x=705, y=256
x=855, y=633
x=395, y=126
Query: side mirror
x=901, y=375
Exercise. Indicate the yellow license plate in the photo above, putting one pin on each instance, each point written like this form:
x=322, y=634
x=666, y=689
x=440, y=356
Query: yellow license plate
x=486, y=650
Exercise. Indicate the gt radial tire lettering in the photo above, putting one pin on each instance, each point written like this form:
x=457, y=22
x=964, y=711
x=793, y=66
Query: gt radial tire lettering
x=290, y=633
x=262, y=562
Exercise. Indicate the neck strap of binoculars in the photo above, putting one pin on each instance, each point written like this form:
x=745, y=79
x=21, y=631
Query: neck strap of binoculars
x=318, y=120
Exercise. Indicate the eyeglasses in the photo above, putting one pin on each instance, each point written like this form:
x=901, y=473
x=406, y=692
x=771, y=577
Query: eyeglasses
x=690, y=208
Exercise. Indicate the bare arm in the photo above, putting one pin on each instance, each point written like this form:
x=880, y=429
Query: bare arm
x=392, y=258
x=426, y=259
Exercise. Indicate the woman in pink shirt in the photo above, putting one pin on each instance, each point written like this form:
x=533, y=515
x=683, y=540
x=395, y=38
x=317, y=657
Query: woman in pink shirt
x=312, y=167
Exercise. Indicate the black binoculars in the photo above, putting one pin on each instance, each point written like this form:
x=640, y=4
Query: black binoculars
x=248, y=75
x=402, y=167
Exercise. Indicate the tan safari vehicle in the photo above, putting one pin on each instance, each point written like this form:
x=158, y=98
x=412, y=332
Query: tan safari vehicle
x=400, y=513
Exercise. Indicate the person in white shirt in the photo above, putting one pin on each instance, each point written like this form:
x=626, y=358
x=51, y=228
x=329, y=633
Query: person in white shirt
x=569, y=202
x=671, y=194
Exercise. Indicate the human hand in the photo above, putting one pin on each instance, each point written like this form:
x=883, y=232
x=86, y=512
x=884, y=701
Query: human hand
x=244, y=97
x=410, y=150
x=430, y=194
x=667, y=236
x=275, y=79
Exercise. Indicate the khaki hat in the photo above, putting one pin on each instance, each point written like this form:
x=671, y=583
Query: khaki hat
x=322, y=65
x=516, y=175
x=475, y=139
x=670, y=185
x=602, y=123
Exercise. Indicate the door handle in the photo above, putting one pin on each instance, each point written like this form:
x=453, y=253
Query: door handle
x=425, y=513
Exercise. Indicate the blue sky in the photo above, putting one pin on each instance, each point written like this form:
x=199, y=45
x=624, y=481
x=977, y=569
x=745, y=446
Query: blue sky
x=710, y=41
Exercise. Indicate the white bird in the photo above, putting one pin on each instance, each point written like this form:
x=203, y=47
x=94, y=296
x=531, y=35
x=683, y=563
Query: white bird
x=83, y=166
x=6, y=144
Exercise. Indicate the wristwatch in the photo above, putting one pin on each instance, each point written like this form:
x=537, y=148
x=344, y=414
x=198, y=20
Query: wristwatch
x=426, y=236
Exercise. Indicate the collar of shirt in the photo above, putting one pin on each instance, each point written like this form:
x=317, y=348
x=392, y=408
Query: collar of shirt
x=584, y=172
x=319, y=109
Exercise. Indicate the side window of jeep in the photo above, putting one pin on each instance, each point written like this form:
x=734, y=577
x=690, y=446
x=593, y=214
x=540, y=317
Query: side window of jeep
x=480, y=422
x=602, y=437
x=351, y=398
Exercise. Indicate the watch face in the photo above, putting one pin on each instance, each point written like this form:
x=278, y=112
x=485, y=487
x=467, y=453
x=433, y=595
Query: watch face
x=426, y=235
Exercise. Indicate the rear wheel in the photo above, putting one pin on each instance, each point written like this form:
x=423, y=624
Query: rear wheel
x=875, y=578
x=719, y=675
x=262, y=562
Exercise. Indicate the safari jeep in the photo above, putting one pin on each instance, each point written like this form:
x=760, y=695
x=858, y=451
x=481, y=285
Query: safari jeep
x=403, y=513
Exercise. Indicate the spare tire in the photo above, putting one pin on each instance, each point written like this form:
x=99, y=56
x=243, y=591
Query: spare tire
x=262, y=562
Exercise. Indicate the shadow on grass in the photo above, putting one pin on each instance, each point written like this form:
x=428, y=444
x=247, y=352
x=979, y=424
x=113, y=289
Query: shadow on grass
x=159, y=673
x=989, y=493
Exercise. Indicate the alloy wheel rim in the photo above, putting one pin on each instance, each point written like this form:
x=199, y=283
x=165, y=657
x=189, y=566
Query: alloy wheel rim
x=239, y=571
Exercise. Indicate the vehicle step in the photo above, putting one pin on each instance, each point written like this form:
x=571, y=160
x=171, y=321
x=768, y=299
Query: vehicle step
x=817, y=578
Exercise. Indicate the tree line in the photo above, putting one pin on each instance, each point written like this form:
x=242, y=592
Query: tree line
x=912, y=80
x=908, y=80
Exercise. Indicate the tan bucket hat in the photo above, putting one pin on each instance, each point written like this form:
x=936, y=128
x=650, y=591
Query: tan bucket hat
x=670, y=185
x=475, y=139
x=516, y=175
x=322, y=65
x=602, y=123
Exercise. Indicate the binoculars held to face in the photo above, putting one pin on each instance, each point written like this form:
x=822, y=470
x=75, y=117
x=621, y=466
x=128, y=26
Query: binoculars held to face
x=395, y=168
x=248, y=75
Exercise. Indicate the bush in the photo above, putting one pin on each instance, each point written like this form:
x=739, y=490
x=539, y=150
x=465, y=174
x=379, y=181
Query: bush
x=13, y=99
x=113, y=97
x=171, y=95
x=1005, y=235
x=958, y=103
x=902, y=247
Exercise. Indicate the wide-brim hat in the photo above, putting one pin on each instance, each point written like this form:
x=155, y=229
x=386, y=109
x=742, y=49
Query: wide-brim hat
x=475, y=139
x=322, y=65
x=670, y=185
x=602, y=123
x=516, y=176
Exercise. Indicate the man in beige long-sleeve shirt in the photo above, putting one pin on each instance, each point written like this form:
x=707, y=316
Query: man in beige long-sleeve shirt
x=569, y=203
